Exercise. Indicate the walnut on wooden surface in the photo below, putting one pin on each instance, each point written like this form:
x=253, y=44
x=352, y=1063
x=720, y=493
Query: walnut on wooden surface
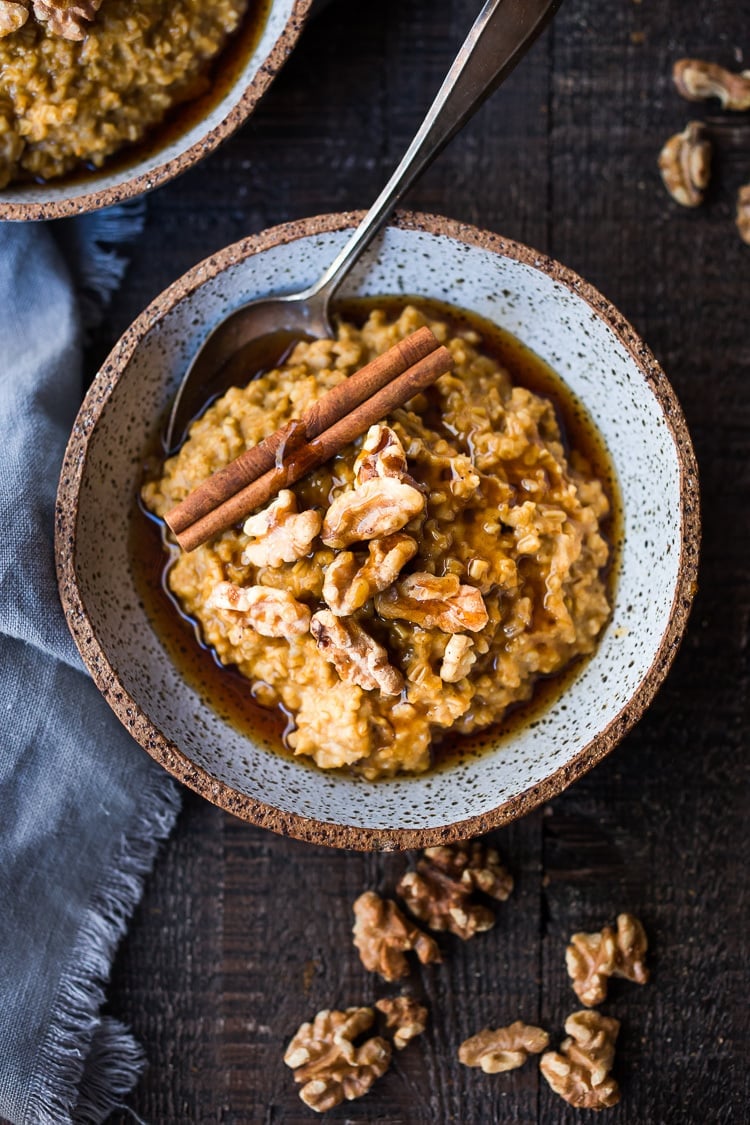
x=12, y=16
x=349, y=582
x=439, y=892
x=271, y=613
x=503, y=1048
x=356, y=656
x=685, y=164
x=743, y=213
x=457, y=658
x=279, y=533
x=404, y=1016
x=592, y=959
x=67, y=18
x=580, y=1071
x=326, y=1063
x=697, y=80
x=434, y=602
x=383, y=936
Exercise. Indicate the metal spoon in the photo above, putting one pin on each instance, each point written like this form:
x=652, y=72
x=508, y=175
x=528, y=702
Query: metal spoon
x=501, y=35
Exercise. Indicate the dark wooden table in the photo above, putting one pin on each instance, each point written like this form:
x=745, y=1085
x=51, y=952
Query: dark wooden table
x=241, y=935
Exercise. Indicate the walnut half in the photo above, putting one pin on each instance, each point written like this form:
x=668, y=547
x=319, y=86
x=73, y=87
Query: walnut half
x=349, y=583
x=697, y=80
x=356, y=656
x=439, y=892
x=270, y=612
x=383, y=935
x=580, y=1071
x=504, y=1048
x=433, y=602
x=66, y=18
x=685, y=165
x=592, y=959
x=12, y=16
x=328, y=1066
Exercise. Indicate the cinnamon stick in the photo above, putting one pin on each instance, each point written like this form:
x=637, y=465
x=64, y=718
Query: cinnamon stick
x=335, y=404
x=316, y=452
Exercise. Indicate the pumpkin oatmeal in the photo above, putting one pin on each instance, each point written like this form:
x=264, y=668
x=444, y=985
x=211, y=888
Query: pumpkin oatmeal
x=421, y=581
x=73, y=92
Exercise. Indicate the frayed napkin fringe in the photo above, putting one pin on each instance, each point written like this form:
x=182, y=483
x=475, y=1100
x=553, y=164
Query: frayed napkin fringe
x=90, y=1063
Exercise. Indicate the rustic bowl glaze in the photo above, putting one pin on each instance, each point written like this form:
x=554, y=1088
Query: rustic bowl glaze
x=121, y=179
x=606, y=366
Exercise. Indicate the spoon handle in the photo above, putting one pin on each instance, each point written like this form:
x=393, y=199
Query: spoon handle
x=501, y=35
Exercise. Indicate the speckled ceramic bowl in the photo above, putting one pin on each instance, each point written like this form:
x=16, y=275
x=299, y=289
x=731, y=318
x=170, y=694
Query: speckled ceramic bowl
x=124, y=178
x=568, y=324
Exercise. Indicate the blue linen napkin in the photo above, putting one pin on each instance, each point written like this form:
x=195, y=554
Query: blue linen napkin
x=83, y=807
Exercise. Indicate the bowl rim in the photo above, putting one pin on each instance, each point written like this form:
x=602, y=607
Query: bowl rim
x=252, y=809
x=146, y=181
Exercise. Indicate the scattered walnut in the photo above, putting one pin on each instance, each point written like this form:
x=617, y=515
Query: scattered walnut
x=281, y=534
x=743, y=213
x=406, y=1016
x=12, y=16
x=434, y=603
x=579, y=1072
x=697, y=80
x=271, y=613
x=327, y=1064
x=66, y=18
x=504, y=1048
x=685, y=165
x=378, y=507
x=439, y=891
x=355, y=655
x=383, y=935
x=592, y=958
x=348, y=585
x=457, y=658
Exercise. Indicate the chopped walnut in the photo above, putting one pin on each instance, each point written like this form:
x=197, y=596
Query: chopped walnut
x=378, y=507
x=457, y=658
x=355, y=655
x=685, y=165
x=348, y=584
x=271, y=613
x=66, y=18
x=327, y=1064
x=504, y=1048
x=743, y=213
x=405, y=1016
x=381, y=455
x=280, y=533
x=439, y=891
x=12, y=16
x=579, y=1072
x=383, y=935
x=434, y=602
x=697, y=80
x=592, y=959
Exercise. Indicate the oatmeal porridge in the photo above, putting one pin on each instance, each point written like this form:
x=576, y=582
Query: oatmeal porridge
x=74, y=90
x=419, y=583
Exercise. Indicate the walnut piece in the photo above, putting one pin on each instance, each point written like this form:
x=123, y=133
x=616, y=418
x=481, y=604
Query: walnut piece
x=378, y=507
x=743, y=213
x=280, y=533
x=271, y=613
x=434, y=602
x=356, y=656
x=348, y=584
x=457, y=658
x=326, y=1063
x=697, y=80
x=66, y=18
x=439, y=892
x=381, y=455
x=685, y=165
x=579, y=1072
x=592, y=959
x=503, y=1048
x=12, y=16
x=405, y=1016
x=383, y=935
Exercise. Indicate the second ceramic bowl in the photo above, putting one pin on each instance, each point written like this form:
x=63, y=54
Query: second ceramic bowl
x=607, y=367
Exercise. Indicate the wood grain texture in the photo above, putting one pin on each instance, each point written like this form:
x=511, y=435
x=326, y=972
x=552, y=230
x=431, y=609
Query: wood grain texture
x=242, y=935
